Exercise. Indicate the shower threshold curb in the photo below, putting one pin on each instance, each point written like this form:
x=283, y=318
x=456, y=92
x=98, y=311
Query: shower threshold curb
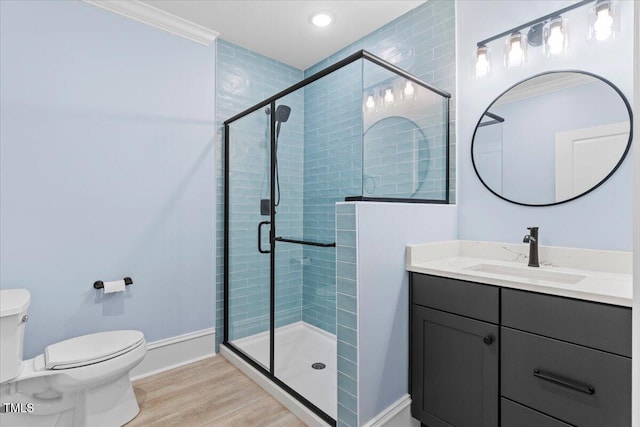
x=298, y=409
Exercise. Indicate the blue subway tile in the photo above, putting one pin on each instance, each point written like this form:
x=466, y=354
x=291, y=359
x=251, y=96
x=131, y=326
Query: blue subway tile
x=347, y=384
x=347, y=319
x=346, y=417
x=347, y=335
x=347, y=303
x=348, y=401
x=347, y=367
x=348, y=351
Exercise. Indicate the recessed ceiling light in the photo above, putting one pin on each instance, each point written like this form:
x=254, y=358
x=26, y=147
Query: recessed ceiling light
x=322, y=19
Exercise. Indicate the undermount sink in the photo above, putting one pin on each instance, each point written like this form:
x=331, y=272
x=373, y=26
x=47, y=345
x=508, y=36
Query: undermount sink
x=528, y=273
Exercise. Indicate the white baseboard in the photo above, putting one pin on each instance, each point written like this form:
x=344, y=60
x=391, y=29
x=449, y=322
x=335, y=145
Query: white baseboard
x=176, y=351
x=297, y=408
x=396, y=415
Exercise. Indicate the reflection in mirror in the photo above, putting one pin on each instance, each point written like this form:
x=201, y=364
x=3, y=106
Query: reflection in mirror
x=552, y=138
x=404, y=139
x=384, y=142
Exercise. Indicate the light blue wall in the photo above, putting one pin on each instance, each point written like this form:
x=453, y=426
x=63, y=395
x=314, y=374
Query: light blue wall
x=383, y=294
x=107, y=151
x=244, y=78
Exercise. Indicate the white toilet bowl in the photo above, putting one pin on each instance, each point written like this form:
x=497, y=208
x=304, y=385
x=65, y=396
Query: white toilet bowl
x=83, y=381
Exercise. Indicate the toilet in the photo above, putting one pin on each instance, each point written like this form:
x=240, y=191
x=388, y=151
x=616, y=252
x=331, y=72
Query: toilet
x=83, y=381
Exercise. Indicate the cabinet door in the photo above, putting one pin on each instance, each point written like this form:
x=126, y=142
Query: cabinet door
x=454, y=370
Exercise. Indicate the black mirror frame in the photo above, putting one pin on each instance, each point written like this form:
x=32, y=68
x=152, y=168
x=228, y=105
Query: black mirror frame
x=624, y=155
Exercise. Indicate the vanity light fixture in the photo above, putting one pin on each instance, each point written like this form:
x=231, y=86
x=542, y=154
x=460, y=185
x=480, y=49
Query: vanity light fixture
x=515, y=50
x=482, y=61
x=550, y=31
x=322, y=19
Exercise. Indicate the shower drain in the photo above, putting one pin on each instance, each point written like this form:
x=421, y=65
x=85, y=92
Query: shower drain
x=318, y=365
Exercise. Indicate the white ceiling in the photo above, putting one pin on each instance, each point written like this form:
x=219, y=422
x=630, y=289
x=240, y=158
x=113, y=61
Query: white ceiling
x=282, y=29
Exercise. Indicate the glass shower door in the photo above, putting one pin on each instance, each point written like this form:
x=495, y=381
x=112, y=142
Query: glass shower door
x=248, y=224
x=289, y=250
x=308, y=172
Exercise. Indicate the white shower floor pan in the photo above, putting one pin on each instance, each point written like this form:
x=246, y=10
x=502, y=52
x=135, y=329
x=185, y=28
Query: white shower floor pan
x=297, y=347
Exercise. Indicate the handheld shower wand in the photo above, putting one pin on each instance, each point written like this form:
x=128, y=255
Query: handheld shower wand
x=282, y=115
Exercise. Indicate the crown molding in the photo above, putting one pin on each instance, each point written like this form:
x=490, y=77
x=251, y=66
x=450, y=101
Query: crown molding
x=147, y=14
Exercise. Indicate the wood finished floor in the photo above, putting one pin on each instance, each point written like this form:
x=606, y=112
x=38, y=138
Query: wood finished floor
x=211, y=392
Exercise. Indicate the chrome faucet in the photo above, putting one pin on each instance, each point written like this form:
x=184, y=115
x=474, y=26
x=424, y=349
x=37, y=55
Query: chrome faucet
x=532, y=240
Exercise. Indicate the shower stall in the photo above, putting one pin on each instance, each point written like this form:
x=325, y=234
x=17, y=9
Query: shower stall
x=359, y=130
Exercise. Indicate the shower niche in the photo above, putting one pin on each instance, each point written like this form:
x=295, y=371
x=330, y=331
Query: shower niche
x=359, y=130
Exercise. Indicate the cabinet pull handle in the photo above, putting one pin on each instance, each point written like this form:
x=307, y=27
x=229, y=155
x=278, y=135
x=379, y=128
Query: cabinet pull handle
x=563, y=382
x=488, y=339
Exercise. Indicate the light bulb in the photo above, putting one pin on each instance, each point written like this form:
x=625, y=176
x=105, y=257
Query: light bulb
x=515, y=50
x=388, y=96
x=556, y=40
x=409, y=90
x=603, y=27
x=515, y=54
x=482, y=62
x=370, y=104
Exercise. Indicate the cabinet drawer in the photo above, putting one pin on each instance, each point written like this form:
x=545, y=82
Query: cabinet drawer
x=553, y=377
x=456, y=296
x=516, y=415
x=601, y=326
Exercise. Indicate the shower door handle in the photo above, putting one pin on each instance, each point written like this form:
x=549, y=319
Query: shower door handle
x=260, y=237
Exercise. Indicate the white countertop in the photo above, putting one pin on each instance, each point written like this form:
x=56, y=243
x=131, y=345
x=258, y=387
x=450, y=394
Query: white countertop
x=606, y=274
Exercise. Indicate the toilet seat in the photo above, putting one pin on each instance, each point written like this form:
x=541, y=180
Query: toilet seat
x=90, y=349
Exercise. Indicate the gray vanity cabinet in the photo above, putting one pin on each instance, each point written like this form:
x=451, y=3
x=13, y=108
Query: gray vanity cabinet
x=482, y=355
x=454, y=356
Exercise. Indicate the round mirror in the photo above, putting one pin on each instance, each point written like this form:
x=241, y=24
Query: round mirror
x=552, y=138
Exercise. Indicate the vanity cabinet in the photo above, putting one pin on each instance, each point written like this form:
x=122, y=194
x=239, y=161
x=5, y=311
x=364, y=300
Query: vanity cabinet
x=486, y=356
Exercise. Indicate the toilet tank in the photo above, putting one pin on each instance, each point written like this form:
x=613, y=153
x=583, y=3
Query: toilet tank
x=13, y=315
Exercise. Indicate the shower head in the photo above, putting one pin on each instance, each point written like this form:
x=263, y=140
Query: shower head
x=282, y=113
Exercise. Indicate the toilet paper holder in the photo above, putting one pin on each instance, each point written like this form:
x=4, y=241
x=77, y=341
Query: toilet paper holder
x=100, y=284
